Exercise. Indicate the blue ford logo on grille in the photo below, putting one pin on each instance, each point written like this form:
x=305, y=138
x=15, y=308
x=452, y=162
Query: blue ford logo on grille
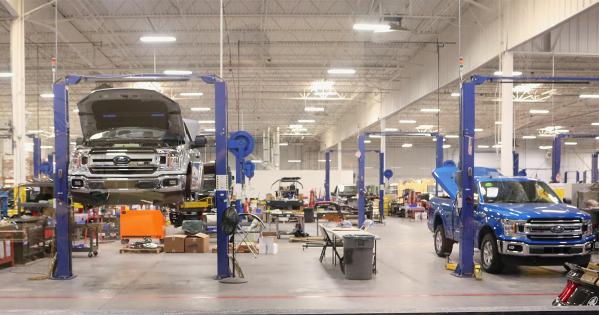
x=121, y=159
x=557, y=229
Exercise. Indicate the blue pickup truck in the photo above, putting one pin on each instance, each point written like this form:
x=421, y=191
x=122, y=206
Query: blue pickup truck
x=518, y=220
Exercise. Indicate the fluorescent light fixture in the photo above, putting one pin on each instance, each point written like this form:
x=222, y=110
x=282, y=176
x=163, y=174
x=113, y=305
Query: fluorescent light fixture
x=158, y=39
x=283, y=144
x=407, y=121
x=478, y=129
x=47, y=95
x=430, y=110
x=514, y=73
x=482, y=146
x=526, y=87
x=391, y=129
x=406, y=145
x=306, y=121
x=206, y=121
x=373, y=27
x=200, y=109
x=496, y=146
x=314, y=109
x=46, y=146
x=256, y=161
x=374, y=136
x=322, y=161
x=209, y=129
x=595, y=124
x=296, y=126
x=73, y=143
x=367, y=141
x=589, y=96
x=294, y=161
x=424, y=126
x=191, y=94
x=539, y=111
x=34, y=131
x=341, y=71
x=498, y=122
x=529, y=137
x=177, y=72
x=570, y=143
x=545, y=147
x=75, y=110
x=446, y=146
x=452, y=136
x=5, y=74
x=455, y=94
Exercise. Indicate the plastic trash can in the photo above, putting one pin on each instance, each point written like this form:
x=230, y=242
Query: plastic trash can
x=308, y=215
x=358, y=256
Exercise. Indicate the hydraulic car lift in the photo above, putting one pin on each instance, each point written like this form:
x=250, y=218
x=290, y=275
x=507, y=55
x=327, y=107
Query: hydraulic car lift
x=556, y=156
x=465, y=266
x=362, y=166
x=64, y=268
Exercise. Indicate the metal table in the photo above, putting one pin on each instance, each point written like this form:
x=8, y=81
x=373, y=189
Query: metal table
x=333, y=238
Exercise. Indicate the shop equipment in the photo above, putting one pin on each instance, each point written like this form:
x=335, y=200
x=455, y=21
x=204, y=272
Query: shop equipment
x=141, y=224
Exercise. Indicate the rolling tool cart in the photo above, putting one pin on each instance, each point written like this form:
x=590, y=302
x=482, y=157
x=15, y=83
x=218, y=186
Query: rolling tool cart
x=582, y=286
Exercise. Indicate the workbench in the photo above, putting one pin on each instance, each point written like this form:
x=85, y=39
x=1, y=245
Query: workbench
x=333, y=238
x=277, y=218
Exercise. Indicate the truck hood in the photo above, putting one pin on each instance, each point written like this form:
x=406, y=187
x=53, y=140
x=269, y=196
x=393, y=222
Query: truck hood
x=110, y=109
x=524, y=211
x=445, y=177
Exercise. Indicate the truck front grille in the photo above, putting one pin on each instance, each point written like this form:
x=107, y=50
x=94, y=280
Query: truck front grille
x=122, y=170
x=562, y=229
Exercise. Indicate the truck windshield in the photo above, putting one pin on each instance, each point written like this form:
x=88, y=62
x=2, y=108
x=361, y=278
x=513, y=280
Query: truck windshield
x=517, y=192
x=130, y=133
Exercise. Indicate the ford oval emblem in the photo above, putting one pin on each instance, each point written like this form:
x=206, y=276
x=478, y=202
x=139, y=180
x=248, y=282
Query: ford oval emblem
x=557, y=229
x=121, y=159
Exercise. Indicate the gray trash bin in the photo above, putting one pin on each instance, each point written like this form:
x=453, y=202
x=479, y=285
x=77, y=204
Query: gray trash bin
x=358, y=256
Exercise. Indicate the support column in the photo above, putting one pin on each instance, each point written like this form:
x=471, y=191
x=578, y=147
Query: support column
x=507, y=116
x=361, y=188
x=17, y=62
x=382, y=162
x=327, y=175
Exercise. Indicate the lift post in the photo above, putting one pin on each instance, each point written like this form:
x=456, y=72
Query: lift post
x=63, y=268
x=516, y=157
x=327, y=175
x=556, y=154
x=362, y=165
x=37, y=156
x=595, y=167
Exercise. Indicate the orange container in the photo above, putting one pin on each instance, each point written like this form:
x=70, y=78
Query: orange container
x=142, y=223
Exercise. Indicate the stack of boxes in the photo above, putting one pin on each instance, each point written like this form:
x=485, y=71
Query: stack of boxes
x=198, y=243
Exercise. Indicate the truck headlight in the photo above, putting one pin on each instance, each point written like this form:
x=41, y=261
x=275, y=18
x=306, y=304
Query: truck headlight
x=170, y=160
x=513, y=227
x=79, y=161
x=587, y=227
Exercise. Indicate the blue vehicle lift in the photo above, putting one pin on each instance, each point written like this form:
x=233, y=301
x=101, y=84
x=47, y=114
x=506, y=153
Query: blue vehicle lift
x=465, y=266
x=241, y=144
x=64, y=270
x=362, y=166
x=327, y=169
x=37, y=157
x=556, y=156
x=595, y=167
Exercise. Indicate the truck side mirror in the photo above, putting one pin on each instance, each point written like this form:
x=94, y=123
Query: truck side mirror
x=567, y=201
x=199, y=142
x=78, y=141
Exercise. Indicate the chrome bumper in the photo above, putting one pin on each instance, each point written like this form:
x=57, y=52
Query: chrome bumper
x=557, y=250
x=124, y=185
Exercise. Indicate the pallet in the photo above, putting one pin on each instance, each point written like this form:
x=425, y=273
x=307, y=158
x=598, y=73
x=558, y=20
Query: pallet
x=126, y=250
x=294, y=239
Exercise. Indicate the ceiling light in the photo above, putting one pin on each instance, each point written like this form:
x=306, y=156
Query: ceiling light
x=314, y=109
x=373, y=27
x=496, y=146
x=341, y=71
x=529, y=137
x=570, y=143
x=455, y=94
x=283, y=144
x=478, y=129
x=595, y=124
x=430, y=110
x=306, y=121
x=482, y=146
x=451, y=136
x=322, y=161
x=406, y=145
x=158, y=39
x=294, y=161
x=407, y=121
x=367, y=141
x=5, y=74
x=498, y=122
x=177, y=72
x=47, y=95
x=323, y=88
x=75, y=110
x=539, y=111
x=545, y=147
x=589, y=96
x=191, y=94
x=46, y=147
x=296, y=126
x=200, y=109
x=374, y=136
x=256, y=161
x=391, y=129
x=514, y=73
x=526, y=87
x=206, y=121
x=34, y=131
x=424, y=126
x=209, y=129
x=446, y=146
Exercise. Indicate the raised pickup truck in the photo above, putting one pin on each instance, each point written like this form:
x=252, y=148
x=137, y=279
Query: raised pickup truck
x=517, y=220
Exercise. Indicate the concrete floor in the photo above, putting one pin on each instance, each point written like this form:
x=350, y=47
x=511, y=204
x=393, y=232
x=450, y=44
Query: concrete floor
x=410, y=279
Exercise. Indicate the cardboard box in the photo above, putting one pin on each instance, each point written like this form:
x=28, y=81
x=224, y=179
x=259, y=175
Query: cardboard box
x=174, y=244
x=198, y=243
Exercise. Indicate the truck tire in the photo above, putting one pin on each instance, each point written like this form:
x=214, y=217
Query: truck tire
x=443, y=245
x=490, y=259
x=583, y=261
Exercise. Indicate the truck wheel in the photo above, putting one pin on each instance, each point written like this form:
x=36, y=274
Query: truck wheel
x=443, y=246
x=583, y=261
x=489, y=255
